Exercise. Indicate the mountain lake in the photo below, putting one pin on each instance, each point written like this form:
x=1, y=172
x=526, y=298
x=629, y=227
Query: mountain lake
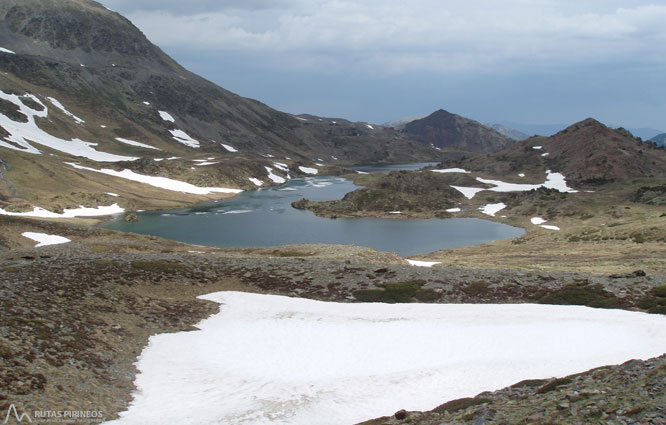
x=265, y=217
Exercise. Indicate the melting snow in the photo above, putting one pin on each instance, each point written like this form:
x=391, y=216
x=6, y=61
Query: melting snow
x=521, y=175
x=545, y=154
x=44, y=239
x=423, y=263
x=23, y=133
x=166, y=116
x=64, y=110
x=133, y=143
x=115, y=195
x=182, y=137
x=553, y=181
x=370, y=127
x=492, y=209
x=229, y=148
x=273, y=177
x=395, y=212
x=298, y=361
x=256, y=181
x=538, y=221
x=453, y=210
x=307, y=170
x=451, y=170
x=537, y=147
x=146, y=103
x=3, y=50
x=281, y=166
x=160, y=182
x=68, y=213
x=469, y=192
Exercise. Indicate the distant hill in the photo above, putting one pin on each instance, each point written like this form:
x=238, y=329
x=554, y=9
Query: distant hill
x=399, y=122
x=587, y=152
x=509, y=132
x=445, y=130
x=659, y=139
x=645, y=133
x=534, y=129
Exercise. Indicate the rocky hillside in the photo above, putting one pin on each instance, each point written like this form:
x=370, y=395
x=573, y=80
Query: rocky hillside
x=80, y=84
x=587, y=153
x=445, y=130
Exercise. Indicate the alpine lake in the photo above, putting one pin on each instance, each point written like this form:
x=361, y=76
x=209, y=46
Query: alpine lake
x=265, y=217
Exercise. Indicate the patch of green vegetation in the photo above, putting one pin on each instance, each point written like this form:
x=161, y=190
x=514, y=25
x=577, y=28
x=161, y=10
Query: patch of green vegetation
x=647, y=303
x=638, y=238
x=660, y=309
x=460, y=404
x=157, y=266
x=477, y=288
x=426, y=295
x=295, y=254
x=102, y=262
x=10, y=269
x=582, y=293
x=398, y=292
x=553, y=385
x=660, y=291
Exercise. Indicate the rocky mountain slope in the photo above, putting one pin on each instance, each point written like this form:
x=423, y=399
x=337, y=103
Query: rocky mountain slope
x=587, y=153
x=509, y=132
x=445, y=130
x=81, y=84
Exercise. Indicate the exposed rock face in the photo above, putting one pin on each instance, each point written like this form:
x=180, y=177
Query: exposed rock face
x=445, y=130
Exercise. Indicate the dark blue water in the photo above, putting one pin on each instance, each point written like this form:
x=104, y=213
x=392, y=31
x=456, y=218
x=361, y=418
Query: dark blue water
x=265, y=218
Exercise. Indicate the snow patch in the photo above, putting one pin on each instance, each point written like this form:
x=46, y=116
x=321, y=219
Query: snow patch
x=451, y=170
x=3, y=50
x=146, y=103
x=166, y=116
x=537, y=147
x=115, y=195
x=181, y=137
x=417, y=263
x=538, y=221
x=229, y=148
x=273, y=177
x=545, y=154
x=370, y=127
x=521, y=175
x=256, y=181
x=395, y=212
x=64, y=110
x=453, y=210
x=22, y=134
x=307, y=170
x=44, y=239
x=159, y=182
x=133, y=143
x=68, y=213
x=281, y=166
x=296, y=361
x=492, y=209
x=553, y=181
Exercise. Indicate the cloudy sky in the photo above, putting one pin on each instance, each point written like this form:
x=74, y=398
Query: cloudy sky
x=526, y=61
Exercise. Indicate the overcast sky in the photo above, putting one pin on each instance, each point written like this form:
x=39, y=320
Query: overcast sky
x=529, y=61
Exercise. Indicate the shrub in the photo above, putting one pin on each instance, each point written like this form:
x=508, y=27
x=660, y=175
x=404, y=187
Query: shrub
x=156, y=266
x=660, y=291
x=582, y=293
x=399, y=292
